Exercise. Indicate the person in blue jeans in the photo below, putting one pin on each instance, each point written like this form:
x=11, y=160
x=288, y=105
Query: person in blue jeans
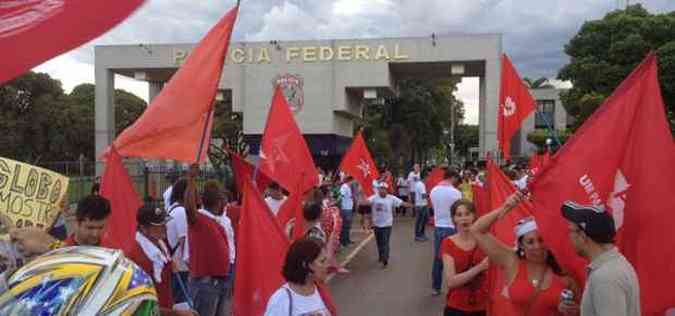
x=443, y=196
x=346, y=210
x=421, y=209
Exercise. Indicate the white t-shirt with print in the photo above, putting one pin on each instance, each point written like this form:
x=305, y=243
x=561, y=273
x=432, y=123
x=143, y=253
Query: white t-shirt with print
x=279, y=304
x=347, y=197
x=411, y=181
x=176, y=229
x=420, y=194
x=275, y=204
x=442, y=197
x=382, y=209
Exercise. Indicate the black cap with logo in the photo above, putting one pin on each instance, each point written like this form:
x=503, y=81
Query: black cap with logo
x=594, y=221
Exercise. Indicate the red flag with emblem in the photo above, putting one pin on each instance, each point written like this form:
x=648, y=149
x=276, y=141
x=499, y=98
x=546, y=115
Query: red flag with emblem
x=617, y=160
x=358, y=163
x=538, y=161
x=177, y=124
x=244, y=170
x=118, y=188
x=33, y=31
x=515, y=104
x=284, y=154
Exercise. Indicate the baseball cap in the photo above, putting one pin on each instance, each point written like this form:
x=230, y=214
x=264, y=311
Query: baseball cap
x=593, y=220
x=148, y=215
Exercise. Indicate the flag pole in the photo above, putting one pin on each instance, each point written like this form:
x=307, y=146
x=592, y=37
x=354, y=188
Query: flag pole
x=204, y=132
x=549, y=127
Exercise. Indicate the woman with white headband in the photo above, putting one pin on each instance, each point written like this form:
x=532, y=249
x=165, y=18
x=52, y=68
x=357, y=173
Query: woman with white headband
x=533, y=278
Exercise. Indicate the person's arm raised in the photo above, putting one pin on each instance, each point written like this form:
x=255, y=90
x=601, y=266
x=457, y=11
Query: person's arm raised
x=499, y=253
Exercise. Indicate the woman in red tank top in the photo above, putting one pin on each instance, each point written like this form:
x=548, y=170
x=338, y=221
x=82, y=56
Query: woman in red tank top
x=532, y=277
x=464, y=265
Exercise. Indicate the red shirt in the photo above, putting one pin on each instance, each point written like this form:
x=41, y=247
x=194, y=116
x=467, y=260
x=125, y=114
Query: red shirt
x=521, y=291
x=164, y=293
x=472, y=296
x=209, y=250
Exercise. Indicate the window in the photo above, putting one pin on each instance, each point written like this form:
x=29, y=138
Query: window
x=545, y=114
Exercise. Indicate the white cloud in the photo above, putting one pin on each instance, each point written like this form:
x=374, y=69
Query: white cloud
x=467, y=91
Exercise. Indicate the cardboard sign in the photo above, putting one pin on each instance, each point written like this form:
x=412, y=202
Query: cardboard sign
x=29, y=195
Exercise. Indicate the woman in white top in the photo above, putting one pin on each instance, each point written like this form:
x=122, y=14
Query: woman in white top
x=305, y=269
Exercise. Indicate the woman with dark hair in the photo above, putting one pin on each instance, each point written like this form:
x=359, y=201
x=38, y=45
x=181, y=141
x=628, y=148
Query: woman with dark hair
x=464, y=265
x=533, y=279
x=305, y=270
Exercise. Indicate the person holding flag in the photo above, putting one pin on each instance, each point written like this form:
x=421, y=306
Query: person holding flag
x=534, y=279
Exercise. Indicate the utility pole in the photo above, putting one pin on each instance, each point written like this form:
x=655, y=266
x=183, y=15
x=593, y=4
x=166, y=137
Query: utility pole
x=452, y=133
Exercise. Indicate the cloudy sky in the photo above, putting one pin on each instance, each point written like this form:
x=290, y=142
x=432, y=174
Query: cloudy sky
x=534, y=31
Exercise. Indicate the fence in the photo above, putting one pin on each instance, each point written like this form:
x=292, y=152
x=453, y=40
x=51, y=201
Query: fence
x=150, y=180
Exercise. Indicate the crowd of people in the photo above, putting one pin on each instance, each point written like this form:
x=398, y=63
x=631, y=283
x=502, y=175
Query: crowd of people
x=188, y=246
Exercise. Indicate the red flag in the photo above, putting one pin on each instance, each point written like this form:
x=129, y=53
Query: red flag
x=177, y=124
x=617, y=160
x=500, y=188
x=118, y=188
x=537, y=162
x=283, y=151
x=261, y=253
x=359, y=164
x=481, y=199
x=433, y=178
x=34, y=31
x=515, y=104
x=244, y=170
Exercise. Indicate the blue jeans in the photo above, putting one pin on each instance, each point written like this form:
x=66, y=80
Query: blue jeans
x=437, y=268
x=421, y=221
x=212, y=296
x=382, y=235
x=347, y=217
x=179, y=293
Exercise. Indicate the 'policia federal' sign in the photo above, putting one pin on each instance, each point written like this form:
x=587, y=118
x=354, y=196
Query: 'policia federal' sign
x=29, y=195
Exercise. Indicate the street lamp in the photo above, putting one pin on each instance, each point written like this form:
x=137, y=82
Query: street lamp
x=549, y=142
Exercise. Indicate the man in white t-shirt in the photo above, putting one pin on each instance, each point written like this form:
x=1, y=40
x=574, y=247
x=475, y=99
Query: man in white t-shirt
x=346, y=210
x=383, y=205
x=275, y=198
x=176, y=233
x=416, y=172
x=443, y=196
x=421, y=209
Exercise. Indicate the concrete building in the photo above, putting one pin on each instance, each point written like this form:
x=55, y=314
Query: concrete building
x=327, y=82
x=549, y=111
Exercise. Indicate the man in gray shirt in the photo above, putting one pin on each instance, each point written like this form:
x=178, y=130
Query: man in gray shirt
x=612, y=287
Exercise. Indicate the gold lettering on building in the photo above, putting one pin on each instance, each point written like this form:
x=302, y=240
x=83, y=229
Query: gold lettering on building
x=345, y=53
x=362, y=52
x=397, y=53
x=309, y=53
x=326, y=53
x=292, y=53
x=264, y=56
x=382, y=53
x=249, y=56
x=238, y=55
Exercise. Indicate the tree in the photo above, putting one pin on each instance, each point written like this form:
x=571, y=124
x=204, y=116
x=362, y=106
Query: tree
x=541, y=83
x=605, y=51
x=227, y=134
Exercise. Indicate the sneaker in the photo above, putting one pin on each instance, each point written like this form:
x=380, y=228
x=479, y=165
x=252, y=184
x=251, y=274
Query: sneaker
x=436, y=292
x=384, y=264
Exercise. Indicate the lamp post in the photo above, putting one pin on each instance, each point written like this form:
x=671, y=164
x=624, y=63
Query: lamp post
x=549, y=142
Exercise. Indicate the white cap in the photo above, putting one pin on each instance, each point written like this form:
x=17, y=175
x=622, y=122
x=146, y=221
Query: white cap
x=382, y=185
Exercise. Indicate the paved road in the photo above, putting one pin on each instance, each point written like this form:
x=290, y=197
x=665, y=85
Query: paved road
x=402, y=289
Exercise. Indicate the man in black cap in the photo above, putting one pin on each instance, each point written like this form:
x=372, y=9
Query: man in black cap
x=612, y=287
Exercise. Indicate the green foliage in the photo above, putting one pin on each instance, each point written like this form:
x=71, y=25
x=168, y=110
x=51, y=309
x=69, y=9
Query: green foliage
x=538, y=137
x=605, y=51
x=42, y=123
x=410, y=127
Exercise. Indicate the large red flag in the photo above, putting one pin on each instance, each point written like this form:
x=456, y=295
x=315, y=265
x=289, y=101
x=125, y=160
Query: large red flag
x=244, y=170
x=261, y=252
x=434, y=177
x=538, y=161
x=33, y=31
x=617, y=161
x=118, y=188
x=177, y=124
x=359, y=164
x=515, y=104
x=284, y=154
x=500, y=188
x=481, y=199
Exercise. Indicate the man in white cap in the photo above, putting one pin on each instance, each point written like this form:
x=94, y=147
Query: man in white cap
x=612, y=287
x=382, y=217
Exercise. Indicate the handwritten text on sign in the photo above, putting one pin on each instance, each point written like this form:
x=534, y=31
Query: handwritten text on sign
x=29, y=195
